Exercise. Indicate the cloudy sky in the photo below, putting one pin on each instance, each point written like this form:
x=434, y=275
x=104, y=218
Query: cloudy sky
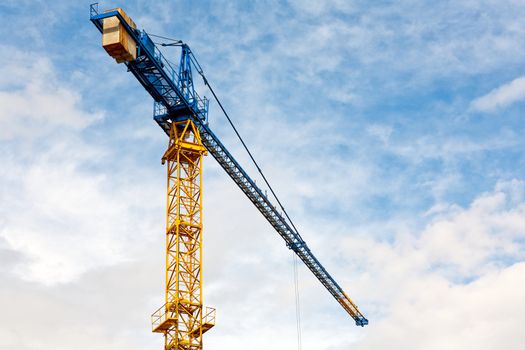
x=392, y=130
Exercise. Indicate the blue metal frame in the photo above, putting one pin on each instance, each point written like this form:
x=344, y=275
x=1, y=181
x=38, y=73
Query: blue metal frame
x=175, y=99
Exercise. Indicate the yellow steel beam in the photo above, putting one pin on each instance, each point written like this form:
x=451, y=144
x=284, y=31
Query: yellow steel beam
x=181, y=318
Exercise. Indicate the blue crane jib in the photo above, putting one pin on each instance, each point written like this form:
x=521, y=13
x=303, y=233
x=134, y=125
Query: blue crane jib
x=176, y=99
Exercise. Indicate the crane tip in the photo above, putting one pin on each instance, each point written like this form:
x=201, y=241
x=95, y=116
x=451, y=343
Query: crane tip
x=361, y=322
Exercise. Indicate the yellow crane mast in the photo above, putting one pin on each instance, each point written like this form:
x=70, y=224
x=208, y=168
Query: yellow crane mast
x=182, y=318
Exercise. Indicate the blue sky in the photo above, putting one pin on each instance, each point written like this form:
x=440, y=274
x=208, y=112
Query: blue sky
x=393, y=132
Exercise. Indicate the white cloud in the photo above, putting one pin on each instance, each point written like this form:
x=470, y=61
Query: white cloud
x=382, y=132
x=449, y=148
x=435, y=314
x=460, y=275
x=34, y=101
x=468, y=241
x=65, y=219
x=60, y=209
x=501, y=97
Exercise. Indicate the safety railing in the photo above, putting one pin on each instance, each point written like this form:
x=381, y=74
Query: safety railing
x=93, y=9
x=159, y=317
x=209, y=316
x=196, y=100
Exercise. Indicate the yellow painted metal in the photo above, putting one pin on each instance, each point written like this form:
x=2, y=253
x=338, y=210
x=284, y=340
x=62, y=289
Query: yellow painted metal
x=182, y=319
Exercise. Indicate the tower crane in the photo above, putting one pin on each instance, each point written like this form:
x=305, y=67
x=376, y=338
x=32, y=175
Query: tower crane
x=183, y=115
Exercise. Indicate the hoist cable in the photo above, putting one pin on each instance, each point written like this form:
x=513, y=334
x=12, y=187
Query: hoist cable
x=297, y=302
x=247, y=150
x=294, y=256
x=165, y=38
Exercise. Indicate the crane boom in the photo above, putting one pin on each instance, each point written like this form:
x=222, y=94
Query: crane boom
x=173, y=99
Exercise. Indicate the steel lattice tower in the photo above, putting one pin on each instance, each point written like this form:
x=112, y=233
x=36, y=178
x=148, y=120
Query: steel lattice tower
x=182, y=318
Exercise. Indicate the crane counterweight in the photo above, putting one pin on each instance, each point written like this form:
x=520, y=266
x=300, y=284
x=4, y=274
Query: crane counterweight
x=116, y=40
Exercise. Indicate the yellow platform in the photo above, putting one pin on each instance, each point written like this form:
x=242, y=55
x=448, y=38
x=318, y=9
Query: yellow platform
x=205, y=327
